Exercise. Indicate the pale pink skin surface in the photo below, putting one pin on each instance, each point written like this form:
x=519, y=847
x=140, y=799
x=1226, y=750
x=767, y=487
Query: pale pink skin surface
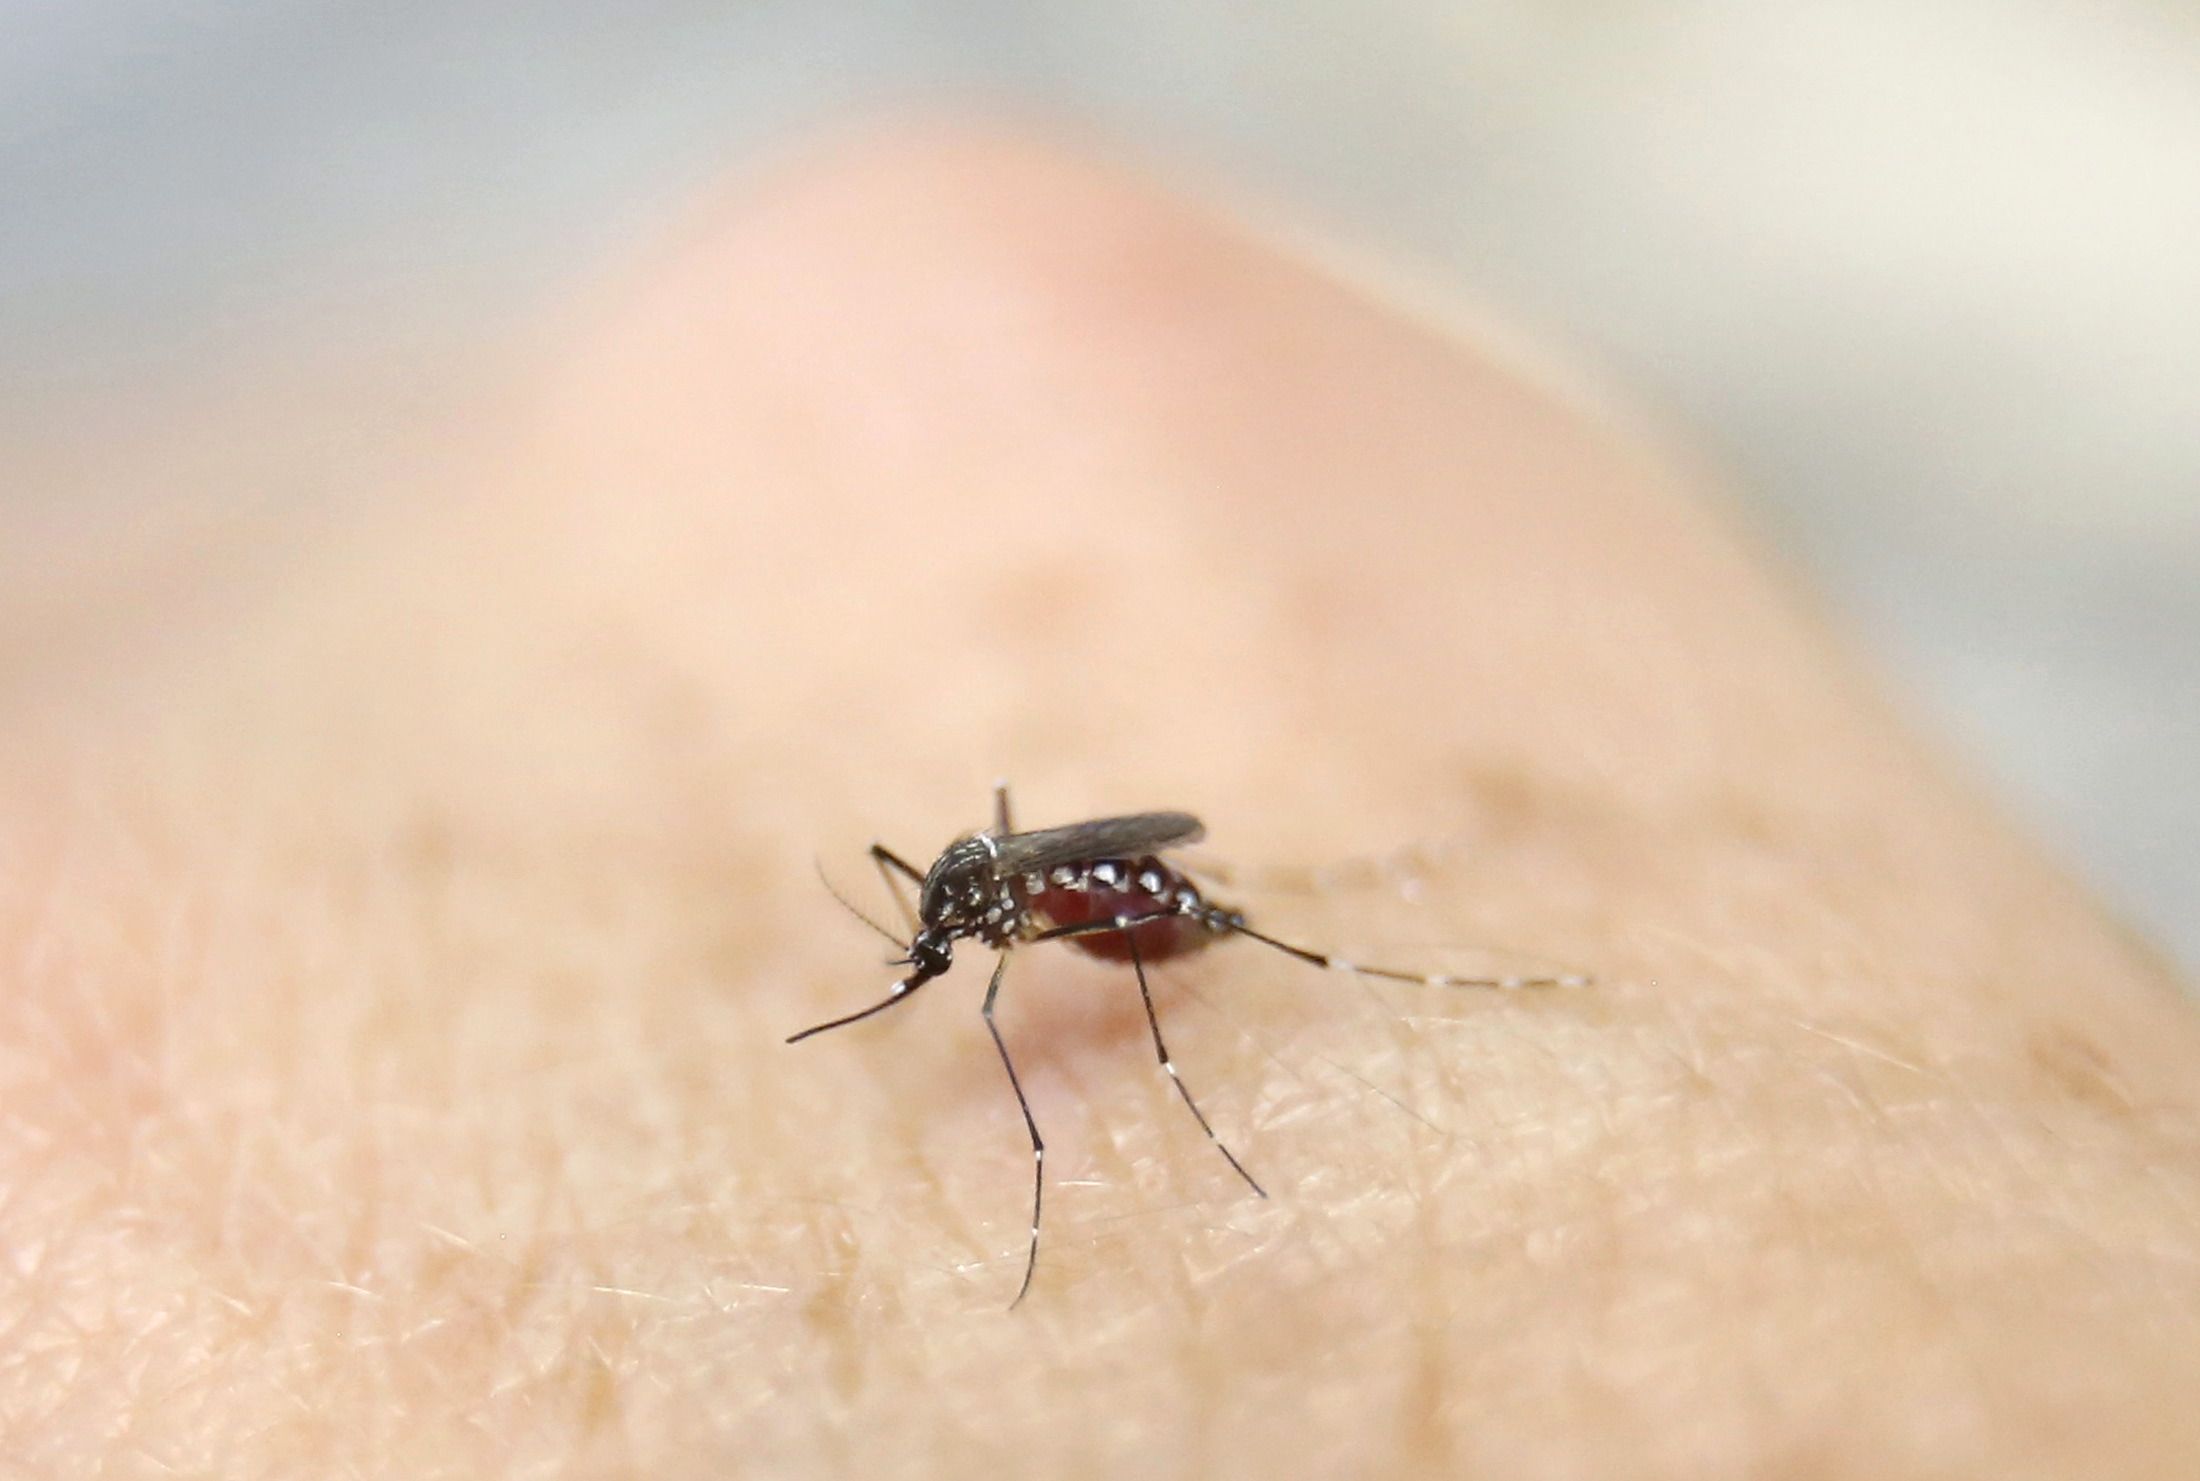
x=401, y=913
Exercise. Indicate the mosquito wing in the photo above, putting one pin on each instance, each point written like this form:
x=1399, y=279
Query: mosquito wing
x=1102, y=838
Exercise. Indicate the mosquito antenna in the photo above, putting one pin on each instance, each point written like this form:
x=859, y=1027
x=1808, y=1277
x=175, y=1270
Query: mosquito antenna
x=846, y=905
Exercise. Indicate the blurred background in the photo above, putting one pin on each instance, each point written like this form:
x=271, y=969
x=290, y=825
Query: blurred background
x=1924, y=274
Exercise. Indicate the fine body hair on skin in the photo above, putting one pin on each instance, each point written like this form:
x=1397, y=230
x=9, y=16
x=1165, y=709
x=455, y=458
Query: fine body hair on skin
x=401, y=914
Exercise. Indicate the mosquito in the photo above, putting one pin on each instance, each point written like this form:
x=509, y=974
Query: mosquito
x=1103, y=887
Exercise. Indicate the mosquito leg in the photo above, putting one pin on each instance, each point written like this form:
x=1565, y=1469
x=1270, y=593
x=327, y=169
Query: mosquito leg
x=1153, y=1021
x=887, y=857
x=889, y=864
x=1038, y=1147
x=1405, y=870
x=1001, y=824
x=1334, y=963
x=1220, y=921
x=1124, y=923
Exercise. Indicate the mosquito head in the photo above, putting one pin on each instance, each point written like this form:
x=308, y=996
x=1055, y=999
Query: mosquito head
x=931, y=953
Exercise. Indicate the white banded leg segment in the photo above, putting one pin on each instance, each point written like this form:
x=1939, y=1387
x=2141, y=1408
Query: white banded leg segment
x=1506, y=984
x=1161, y=1050
x=889, y=865
x=1038, y=1146
x=1333, y=963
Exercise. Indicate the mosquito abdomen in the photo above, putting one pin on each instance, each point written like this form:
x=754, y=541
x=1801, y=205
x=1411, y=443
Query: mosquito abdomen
x=1176, y=915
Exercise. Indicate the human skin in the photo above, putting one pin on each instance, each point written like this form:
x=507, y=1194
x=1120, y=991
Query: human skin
x=401, y=916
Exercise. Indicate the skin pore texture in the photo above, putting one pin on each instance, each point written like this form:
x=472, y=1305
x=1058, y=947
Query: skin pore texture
x=401, y=913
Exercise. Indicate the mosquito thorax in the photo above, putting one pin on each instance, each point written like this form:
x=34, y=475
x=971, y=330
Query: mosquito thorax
x=961, y=887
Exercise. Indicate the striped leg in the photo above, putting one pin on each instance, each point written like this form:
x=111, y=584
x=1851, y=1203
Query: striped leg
x=1332, y=963
x=889, y=864
x=1223, y=921
x=1038, y=1147
x=1161, y=1049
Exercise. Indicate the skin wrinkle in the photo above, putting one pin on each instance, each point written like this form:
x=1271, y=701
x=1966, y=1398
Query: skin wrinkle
x=430, y=935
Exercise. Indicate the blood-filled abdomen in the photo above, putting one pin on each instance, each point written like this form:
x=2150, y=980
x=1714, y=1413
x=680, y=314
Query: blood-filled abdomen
x=1111, y=889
